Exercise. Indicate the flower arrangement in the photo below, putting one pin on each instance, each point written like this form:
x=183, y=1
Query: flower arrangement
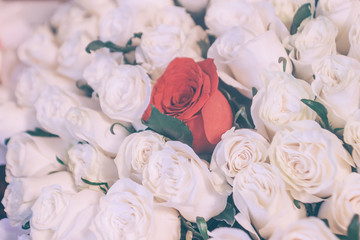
x=185, y=120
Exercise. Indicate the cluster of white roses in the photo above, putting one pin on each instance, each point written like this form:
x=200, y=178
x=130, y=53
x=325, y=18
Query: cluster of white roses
x=97, y=180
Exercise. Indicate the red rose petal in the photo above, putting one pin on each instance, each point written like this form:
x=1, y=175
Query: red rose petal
x=217, y=117
x=208, y=66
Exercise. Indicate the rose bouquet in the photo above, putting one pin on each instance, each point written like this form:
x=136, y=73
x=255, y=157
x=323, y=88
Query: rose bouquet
x=214, y=119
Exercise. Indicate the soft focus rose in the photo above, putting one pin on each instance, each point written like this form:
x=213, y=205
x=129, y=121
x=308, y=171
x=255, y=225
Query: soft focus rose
x=340, y=208
x=9, y=232
x=70, y=19
x=72, y=59
x=48, y=211
x=352, y=135
x=260, y=193
x=189, y=91
x=15, y=119
x=97, y=7
x=165, y=223
x=29, y=156
x=125, y=95
x=237, y=150
x=80, y=212
x=256, y=17
x=225, y=233
x=94, y=127
x=194, y=6
x=160, y=45
x=119, y=25
x=311, y=228
x=241, y=57
x=278, y=103
x=134, y=153
x=21, y=194
x=87, y=162
x=310, y=159
x=32, y=81
x=343, y=14
x=354, y=39
x=337, y=86
x=178, y=178
x=40, y=49
x=315, y=40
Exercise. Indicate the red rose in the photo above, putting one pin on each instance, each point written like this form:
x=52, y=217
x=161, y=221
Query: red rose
x=189, y=91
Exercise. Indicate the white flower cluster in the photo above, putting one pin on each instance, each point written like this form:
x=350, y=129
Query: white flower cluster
x=91, y=169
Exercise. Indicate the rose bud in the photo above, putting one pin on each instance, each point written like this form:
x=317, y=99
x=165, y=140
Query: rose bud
x=189, y=91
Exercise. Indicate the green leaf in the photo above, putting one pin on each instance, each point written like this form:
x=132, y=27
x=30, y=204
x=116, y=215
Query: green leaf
x=97, y=44
x=297, y=204
x=242, y=117
x=320, y=110
x=6, y=141
x=325, y=221
x=26, y=226
x=284, y=61
x=95, y=183
x=228, y=215
x=353, y=228
x=204, y=46
x=342, y=237
x=129, y=129
x=202, y=226
x=60, y=161
x=302, y=13
x=254, y=91
x=38, y=132
x=169, y=126
x=136, y=35
x=83, y=86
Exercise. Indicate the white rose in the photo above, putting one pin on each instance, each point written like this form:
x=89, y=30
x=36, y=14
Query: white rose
x=119, y=25
x=52, y=106
x=9, y=232
x=72, y=57
x=125, y=212
x=87, y=162
x=352, y=135
x=354, y=39
x=98, y=7
x=336, y=85
x=240, y=57
x=21, y=194
x=310, y=159
x=70, y=19
x=94, y=127
x=256, y=17
x=278, y=103
x=194, y=6
x=32, y=81
x=101, y=67
x=48, y=211
x=165, y=224
x=134, y=153
x=315, y=40
x=40, y=49
x=160, y=45
x=29, y=156
x=260, y=193
x=175, y=16
x=80, y=212
x=17, y=119
x=125, y=95
x=343, y=16
x=340, y=208
x=178, y=178
x=225, y=233
x=310, y=228
x=237, y=150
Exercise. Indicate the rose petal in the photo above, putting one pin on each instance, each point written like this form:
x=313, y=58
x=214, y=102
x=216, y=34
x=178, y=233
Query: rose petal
x=200, y=143
x=208, y=66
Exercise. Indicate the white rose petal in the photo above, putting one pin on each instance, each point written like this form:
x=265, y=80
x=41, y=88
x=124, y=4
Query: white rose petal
x=194, y=6
x=237, y=150
x=98, y=7
x=21, y=194
x=352, y=135
x=260, y=193
x=125, y=95
x=178, y=178
x=40, y=49
x=166, y=224
x=337, y=86
x=94, y=127
x=225, y=233
x=9, y=232
x=87, y=162
x=314, y=41
x=29, y=156
x=134, y=153
x=278, y=103
x=354, y=39
x=310, y=159
x=240, y=58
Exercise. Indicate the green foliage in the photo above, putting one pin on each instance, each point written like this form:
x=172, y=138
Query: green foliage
x=129, y=129
x=38, y=132
x=301, y=14
x=320, y=110
x=228, y=215
x=85, y=88
x=202, y=226
x=97, y=44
